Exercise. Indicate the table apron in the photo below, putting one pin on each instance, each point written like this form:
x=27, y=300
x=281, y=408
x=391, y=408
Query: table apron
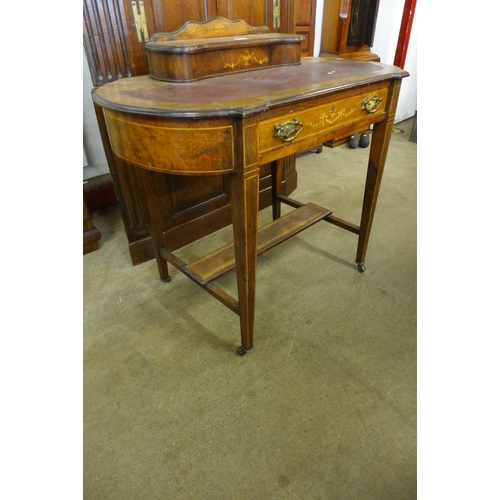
x=310, y=123
x=183, y=147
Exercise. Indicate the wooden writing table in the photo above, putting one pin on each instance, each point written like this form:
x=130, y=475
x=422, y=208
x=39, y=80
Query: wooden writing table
x=231, y=125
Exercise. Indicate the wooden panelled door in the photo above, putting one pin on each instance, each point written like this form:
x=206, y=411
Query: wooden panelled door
x=305, y=21
x=114, y=33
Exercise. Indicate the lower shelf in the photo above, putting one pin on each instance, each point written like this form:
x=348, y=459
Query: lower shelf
x=218, y=263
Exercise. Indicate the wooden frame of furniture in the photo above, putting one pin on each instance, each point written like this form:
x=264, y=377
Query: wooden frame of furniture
x=305, y=24
x=230, y=125
x=337, y=37
x=114, y=35
x=218, y=47
x=91, y=235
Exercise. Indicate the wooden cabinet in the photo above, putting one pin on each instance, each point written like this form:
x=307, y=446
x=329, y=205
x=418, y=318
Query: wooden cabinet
x=305, y=21
x=91, y=235
x=348, y=29
x=114, y=33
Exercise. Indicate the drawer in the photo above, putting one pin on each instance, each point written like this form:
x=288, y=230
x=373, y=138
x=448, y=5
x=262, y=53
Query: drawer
x=173, y=146
x=309, y=122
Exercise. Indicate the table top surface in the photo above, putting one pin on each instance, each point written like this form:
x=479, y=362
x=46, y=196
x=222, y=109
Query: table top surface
x=242, y=94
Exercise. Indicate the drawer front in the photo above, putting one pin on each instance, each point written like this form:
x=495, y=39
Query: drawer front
x=170, y=146
x=295, y=126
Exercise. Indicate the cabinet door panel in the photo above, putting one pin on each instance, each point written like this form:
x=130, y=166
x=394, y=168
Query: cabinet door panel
x=305, y=20
x=254, y=13
x=175, y=14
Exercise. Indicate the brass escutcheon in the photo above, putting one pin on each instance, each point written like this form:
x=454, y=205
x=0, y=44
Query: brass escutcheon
x=288, y=131
x=371, y=105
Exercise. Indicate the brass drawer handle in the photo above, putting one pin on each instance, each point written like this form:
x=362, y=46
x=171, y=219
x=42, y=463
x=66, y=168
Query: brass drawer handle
x=288, y=131
x=371, y=105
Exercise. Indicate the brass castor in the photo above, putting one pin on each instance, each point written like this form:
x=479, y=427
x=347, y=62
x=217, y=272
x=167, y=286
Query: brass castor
x=361, y=267
x=241, y=351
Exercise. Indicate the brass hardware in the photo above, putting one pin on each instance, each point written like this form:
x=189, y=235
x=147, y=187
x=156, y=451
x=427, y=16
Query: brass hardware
x=276, y=13
x=288, y=131
x=371, y=105
x=141, y=27
x=333, y=109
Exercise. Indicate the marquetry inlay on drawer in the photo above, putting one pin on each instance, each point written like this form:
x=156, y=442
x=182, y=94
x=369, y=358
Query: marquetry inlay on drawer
x=295, y=126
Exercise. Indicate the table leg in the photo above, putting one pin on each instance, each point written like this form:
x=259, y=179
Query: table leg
x=276, y=180
x=381, y=138
x=155, y=223
x=244, y=192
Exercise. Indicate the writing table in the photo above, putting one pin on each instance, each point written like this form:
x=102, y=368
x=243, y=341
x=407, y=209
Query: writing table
x=232, y=124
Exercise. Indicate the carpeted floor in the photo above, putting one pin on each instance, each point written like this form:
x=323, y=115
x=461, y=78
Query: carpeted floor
x=324, y=405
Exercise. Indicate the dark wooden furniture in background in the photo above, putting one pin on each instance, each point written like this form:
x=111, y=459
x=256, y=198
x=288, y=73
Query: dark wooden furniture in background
x=99, y=193
x=305, y=23
x=114, y=34
x=249, y=119
x=91, y=235
x=348, y=29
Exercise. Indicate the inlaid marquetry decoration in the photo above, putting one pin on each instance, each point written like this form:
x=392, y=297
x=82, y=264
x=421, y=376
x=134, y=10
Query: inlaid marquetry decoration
x=319, y=119
x=333, y=117
x=198, y=51
x=247, y=60
x=217, y=26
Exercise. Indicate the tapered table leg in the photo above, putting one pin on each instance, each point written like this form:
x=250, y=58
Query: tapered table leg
x=378, y=152
x=155, y=223
x=244, y=192
x=276, y=180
